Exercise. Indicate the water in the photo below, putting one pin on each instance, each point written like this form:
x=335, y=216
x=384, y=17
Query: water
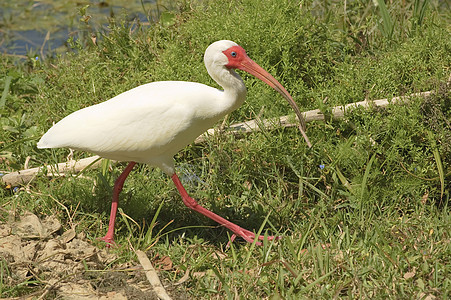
x=44, y=26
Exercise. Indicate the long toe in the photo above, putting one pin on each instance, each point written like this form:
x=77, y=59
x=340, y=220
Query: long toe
x=109, y=241
x=250, y=236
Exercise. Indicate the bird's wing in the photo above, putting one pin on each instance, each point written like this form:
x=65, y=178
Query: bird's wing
x=146, y=120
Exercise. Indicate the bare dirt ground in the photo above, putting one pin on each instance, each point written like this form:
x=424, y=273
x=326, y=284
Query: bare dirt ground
x=64, y=265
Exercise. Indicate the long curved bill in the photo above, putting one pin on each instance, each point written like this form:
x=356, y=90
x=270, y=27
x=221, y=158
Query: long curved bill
x=253, y=68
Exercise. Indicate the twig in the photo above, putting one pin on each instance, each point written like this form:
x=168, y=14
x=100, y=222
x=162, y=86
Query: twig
x=47, y=37
x=72, y=226
x=422, y=178
x=152, y=276
x=24, y=177
x=338, y=112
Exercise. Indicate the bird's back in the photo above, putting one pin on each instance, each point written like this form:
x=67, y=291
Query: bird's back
x=155, y=119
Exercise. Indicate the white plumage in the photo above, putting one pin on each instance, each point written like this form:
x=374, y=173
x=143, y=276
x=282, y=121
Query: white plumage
x=148, y=124
x=152, y=122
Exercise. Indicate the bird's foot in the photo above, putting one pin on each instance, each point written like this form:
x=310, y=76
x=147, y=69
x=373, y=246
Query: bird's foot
x=109, y=240
x=250, y=237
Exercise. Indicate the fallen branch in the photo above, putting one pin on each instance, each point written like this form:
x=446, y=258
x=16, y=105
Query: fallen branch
x=152, y=276
x=338, y=112
x=26, y=176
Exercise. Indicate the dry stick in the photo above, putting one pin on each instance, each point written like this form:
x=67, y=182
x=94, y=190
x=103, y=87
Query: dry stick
x=152, y=276
x=25, y=176
x=338, y=112
x=47, y=37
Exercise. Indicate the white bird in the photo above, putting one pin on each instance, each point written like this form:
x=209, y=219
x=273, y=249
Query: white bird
x=152, y=122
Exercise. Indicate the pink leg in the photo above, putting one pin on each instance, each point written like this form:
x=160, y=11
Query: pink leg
x=237, y=230
x=119, y=183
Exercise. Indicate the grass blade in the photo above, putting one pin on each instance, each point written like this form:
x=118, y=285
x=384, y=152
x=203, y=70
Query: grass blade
x=343, y=180
x=365, y=176
x=319, y=280
x=5, y=91
x=419, y=12
x=148, y=236
x=225, y=286
x=387, y=22
x=304, y=180
x=251, y=249
x=438, y=161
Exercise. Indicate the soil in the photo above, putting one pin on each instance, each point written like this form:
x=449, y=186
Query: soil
x=64, y=265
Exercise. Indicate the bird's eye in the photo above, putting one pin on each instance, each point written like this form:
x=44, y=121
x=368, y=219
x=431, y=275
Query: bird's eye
x=233, y=54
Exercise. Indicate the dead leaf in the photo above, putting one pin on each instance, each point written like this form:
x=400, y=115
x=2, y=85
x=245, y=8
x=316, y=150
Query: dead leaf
x=198, y=274
x=51, y=225
x=5, y=230
x=425, y=197
x=113, y=296
x=11, y=249
x=84, y=291
x=218, y=255
x=426, y=297
x=184, y=278
x=165, y=263
x=409, y=275
x=68, y=236
x=15, y=253
x=30, y=226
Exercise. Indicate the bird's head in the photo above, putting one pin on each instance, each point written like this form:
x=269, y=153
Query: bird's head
x=216, y=53
x=228, y=55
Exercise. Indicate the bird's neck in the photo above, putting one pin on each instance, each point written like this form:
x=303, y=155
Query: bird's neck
x=234, y=90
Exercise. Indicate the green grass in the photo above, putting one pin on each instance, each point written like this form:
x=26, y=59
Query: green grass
x=375, y=187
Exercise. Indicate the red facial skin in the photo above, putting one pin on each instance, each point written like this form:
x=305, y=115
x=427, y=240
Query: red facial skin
x=238, y=59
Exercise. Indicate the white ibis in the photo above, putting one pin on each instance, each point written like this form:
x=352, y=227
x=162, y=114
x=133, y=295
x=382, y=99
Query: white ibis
x=152, y=122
